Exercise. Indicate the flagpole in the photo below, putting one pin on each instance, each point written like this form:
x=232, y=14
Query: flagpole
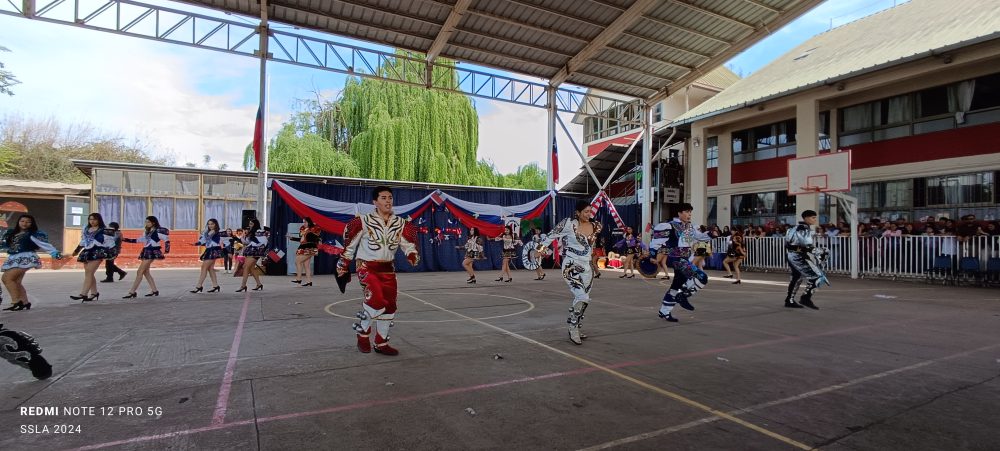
x=262, y=165
x=551, y=107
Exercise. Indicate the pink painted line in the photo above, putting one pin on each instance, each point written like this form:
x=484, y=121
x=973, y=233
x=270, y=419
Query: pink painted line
x=222, y=403
x=451, y=391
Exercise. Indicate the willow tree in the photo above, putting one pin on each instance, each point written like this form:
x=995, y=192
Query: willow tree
x=404, y=132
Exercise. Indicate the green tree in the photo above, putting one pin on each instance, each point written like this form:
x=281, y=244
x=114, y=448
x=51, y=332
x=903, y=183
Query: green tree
x=379, y=129
x=7, y=78
x=42, y=149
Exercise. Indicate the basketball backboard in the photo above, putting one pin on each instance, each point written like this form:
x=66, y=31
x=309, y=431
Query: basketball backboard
x=820, y=174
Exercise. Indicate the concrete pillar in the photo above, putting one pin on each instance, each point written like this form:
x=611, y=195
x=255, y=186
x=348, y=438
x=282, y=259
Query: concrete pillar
x=725, y=159
x=807, y=135
x=696, y=184
x=724, y=203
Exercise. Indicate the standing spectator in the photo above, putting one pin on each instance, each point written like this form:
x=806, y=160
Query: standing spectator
x=734, y=256
x=110, y=268
x=228, y=240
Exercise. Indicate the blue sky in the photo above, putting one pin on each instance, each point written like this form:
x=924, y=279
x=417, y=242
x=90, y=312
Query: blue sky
x=187, y=102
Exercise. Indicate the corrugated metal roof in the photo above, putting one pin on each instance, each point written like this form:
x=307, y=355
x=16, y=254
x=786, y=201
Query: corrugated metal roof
x=661, y=45
x=884, y=39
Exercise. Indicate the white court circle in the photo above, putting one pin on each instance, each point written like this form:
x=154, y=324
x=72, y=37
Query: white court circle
x=531, y=306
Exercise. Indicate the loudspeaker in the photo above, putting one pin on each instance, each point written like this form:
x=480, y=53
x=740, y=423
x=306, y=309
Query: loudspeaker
x=247, y=216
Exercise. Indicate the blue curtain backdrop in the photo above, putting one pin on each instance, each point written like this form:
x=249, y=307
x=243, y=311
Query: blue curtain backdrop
x=435, y=255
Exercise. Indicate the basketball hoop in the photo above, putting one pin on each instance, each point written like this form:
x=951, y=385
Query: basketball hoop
x=814, y=189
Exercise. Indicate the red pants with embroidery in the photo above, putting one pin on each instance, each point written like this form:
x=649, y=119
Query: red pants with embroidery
x=379, y=282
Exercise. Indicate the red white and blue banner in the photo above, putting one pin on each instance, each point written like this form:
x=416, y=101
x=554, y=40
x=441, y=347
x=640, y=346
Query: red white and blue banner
x=491, y=219
x=602, y=198
x=331, y=215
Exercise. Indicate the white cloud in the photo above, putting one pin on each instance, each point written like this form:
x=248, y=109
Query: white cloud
x=153, y=91
x=513, y=135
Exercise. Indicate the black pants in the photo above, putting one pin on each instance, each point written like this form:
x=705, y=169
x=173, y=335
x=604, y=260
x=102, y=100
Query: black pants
x=227, y=260
x=110, y=268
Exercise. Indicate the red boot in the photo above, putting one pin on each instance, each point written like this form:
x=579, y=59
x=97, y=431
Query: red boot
x=364, y=344
x=382, y=346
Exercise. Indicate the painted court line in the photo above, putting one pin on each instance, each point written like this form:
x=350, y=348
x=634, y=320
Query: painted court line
x=222, y=402
x=801, y=396
x=667, y=393
x=579, y=371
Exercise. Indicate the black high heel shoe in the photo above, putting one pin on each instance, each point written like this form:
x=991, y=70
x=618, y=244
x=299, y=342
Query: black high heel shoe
x=738, y=282
x=622, y=276
x=78, y=297
x=258, y=287
x=214, y=289
x=471, y=280
x=543, y=276
x=15, y=307
x=508, y=280
x=152, y=293
x=242, y=289
x=728, y=276
x=95, y=297
x=307, y=284
x=297, y=281
x=498, y=279
x=196, y=290
x=631, y=276
x=129, y=296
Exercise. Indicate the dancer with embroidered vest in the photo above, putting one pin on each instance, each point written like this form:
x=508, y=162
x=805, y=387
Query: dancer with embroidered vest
x=576, y=237
x=21, y=244
x=510, y=242
x=155, y=242
x=97, y=244
x=254, y=248
x=805, y=261
x=633, y=248
x=372, y=240
x=309, y=238
x=688, y=278
x=211, y=238
x=473, y=251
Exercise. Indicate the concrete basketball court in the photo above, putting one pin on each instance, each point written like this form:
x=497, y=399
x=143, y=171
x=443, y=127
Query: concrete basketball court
x=883, y=365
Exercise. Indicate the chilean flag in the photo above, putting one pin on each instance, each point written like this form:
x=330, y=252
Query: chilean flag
x=555, y=162
x=258, y=138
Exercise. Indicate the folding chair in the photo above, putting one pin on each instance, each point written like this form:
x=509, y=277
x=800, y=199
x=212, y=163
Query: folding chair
x=992, y=273
x=942, y=267
x=968, y=266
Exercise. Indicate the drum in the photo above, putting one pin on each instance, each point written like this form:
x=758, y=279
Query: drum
x=530, y=257
x=648, y=268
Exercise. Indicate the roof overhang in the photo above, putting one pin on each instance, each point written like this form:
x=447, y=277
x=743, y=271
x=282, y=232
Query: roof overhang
x=638, y=48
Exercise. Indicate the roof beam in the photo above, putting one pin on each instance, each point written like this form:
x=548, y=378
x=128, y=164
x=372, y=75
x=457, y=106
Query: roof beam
x=555, y=13
x=329, y=16
x=633, y=54
x=615, y=79
x=667, y=23
x=638, y=71
x=447, y=29
x=517, y=42
x=507, y=21
x=664, y=44
x=779, y=21
x=610, y=33
x=761, y=5
x=714, y=14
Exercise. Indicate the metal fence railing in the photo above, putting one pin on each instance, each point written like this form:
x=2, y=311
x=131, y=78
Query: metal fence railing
x=914, y=257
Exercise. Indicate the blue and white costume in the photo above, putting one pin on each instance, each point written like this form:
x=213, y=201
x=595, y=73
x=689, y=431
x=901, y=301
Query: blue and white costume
x=155, y=243
x=576, y=252
x=95, y=245
x=688, y=278
x=212, y=240
x=21, y=249
x=805, y=261
x=255, y=244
